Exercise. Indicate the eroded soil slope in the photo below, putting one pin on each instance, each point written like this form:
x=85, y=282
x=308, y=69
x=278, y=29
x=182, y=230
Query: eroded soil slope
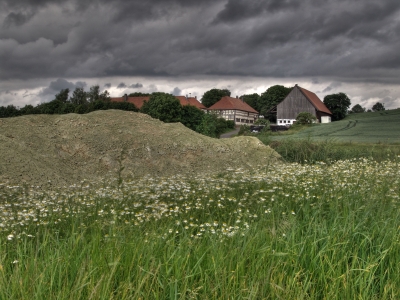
x=65, y=149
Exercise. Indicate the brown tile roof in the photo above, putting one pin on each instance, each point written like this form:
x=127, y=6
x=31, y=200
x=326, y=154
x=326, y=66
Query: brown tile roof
x=232, y=103
x=139, y=101
x=318, y=104
x=190, y=101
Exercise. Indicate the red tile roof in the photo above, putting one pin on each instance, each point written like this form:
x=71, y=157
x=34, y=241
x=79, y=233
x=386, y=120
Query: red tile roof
x=190, y=101
x=139, y=101
x=232, y=103
x=318, y=104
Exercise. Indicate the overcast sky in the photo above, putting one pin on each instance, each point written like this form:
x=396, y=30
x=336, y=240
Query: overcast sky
x=191, y=46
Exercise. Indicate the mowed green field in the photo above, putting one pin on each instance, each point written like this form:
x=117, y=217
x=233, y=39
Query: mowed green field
x=373, y=127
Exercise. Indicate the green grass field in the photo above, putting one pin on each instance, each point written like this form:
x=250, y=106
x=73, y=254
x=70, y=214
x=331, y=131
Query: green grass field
x=287, y=231
x=374, y=127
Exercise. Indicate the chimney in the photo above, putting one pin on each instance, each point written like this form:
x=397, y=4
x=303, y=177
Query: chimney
x=125, y=97
x=195, y=97
x=237, y=96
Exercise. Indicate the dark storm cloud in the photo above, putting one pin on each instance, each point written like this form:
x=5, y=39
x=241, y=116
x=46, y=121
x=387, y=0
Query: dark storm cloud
x=122, y=85
x=60, y=84
x=136, y=85
x=280, y=38
x=107, y=85
x=176, y=91
x=236, y=10
x=16, y=19
x=332, y=86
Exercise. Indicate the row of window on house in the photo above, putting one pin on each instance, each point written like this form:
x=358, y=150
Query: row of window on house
x=286, y=121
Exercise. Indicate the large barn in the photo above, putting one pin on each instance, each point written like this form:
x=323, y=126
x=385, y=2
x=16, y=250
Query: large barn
x=301, y=100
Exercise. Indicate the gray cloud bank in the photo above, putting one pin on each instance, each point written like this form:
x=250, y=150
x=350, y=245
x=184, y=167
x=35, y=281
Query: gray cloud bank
x=345, y=39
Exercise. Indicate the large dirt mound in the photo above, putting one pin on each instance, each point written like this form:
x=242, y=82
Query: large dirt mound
x=65, y=149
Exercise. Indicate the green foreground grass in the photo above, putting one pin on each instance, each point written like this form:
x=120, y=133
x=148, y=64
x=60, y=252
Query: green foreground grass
x=288, y=232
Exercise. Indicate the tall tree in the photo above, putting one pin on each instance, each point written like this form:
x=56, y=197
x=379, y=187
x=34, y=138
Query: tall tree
x=338, y=104
x=164, y=107
x=105, y=96
x=252, y=100
x=62, y=96
x=378, y=107
x=93, y=94
x=270, y=98
x=213, y=96
x=79, y=96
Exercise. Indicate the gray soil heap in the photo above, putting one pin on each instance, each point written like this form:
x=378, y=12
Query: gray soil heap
x=61, y=150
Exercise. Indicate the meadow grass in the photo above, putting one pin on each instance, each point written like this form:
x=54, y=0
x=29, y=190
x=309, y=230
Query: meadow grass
x=308, y=150
x=291, y=231
x=368, y=128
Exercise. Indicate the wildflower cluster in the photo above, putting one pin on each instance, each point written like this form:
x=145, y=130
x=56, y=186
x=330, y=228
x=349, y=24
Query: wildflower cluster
x=223, y=205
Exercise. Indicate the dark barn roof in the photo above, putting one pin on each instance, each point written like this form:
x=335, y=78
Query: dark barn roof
x=315, y=101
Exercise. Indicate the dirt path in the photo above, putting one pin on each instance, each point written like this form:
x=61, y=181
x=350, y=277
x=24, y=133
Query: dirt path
x=229, y=134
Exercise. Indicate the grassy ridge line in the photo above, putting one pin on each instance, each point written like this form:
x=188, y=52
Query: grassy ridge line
x=376, y=127
x=292, y=232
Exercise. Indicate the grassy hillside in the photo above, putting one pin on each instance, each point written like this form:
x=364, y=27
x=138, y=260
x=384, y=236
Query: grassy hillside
x=374, y=127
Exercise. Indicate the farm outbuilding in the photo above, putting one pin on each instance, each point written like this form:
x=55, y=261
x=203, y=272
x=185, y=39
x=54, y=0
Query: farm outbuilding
x=301, y=100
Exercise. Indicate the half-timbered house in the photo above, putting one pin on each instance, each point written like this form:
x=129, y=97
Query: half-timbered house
x=236, y=110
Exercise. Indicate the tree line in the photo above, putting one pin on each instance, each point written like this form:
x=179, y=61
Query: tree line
x=80, y=102
x=162, y=106
x=359, y=109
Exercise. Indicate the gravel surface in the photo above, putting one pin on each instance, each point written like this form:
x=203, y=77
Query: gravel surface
x=60, y=150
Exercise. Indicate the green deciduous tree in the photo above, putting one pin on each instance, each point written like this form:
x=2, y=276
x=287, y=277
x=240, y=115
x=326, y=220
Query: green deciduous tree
x=338, y=104
x=208, y=125
x=252, y=100
x=79, y=96
x=378, y=107
x=138, y=94
x=270, y=98
x=93, y=94
x=191, y=116
x=62, y=96
x=164, y=107
x=305, y=118
x=357, y=109
x=213, y=96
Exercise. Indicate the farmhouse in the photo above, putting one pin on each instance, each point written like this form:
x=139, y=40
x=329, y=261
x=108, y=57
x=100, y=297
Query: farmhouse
x=139, y=101
x=301, y=100
x=235, y=109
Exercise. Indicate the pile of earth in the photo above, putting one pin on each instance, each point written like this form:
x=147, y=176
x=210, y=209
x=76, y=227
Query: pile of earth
x=62, y=150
